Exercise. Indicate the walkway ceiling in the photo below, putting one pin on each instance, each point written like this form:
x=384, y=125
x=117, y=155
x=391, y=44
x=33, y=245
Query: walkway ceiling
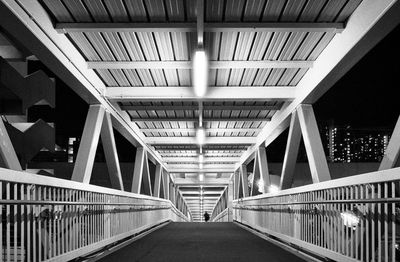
x=264, y=60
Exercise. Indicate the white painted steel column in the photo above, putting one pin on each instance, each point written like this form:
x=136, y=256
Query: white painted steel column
x=292, y=149
x=141, y=173
x=236, y=179
x=110, y=152
x=165, y=178
x=391, y=157
x=88, y=145
x=7, y=152
x=157, y=180
x=230, y=197
x=312, y=141
x=244, y=180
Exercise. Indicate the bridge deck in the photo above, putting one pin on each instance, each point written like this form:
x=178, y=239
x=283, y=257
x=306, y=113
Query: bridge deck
x=201, y=242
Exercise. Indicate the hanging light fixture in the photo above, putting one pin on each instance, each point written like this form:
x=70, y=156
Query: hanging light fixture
x=200, y=136
x=201, y=177
x=200, y=73
x=201, y=158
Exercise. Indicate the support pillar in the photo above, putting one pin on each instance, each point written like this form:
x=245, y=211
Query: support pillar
x=291, y=152
x=110, y=152
x=157, y=180
x=7, y=153
x=244, y=180
x=312, y=141
x=88, y=145
x=141, y=172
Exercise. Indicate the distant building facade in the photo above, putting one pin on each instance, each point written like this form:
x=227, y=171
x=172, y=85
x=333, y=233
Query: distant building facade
x=348, y=144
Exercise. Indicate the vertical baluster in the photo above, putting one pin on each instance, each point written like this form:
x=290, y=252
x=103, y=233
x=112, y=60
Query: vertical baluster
x=15, y=220
x=60, y=215
x=367, y=223
x=351, y=230
x=22, y=223
x=34, y=222
x=379, y=224
x=373, y=224
x=393, y=217
x=39, y=224
x=1, y=221
x=334, y=221
x=64, y=222
x=8, y=227
x=362, y=223
x=357, y=230
x=346, y=229
x=45, y=221
x=386, y=222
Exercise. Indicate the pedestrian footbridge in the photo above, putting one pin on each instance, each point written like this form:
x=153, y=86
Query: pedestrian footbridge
x=200, y=89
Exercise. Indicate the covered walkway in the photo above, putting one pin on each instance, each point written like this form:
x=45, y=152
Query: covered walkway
x=201, y=242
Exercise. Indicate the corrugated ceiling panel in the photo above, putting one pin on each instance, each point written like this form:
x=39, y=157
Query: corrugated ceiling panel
x=311, y=11
x=116, y=45
x=171, y=76
x=158, y=76
x=78, y=10
x=136, y=10
x=146, y=77
x=321, y=46
x=253, y=10
x=214, y=10
x=274, y=77
x=148, y=46
x=222, y=77
x=191, y=10
x=331, y=10
x=348, y=10
x=132, y=45
x=212, y=44
x=292, y=45
x=58, y=10
x=84, y=46
x=308, y=45
x=272, y=10
x=287, y=76
x=107, y=77
x=261, y=76
x=236, y=77
x=133, y=77
x=248, y=76
x=180, y=45
x=212, y=77
x=228, y=44
x=100, y=45
x=175, y=10
x=234, y=10
x=164, y=45
x=120, y=77
x=184, y=77
x=117, y=10
x=243, y=45
x=298, y=76
x=156, y=10
x=278, y=41
x=292, y=10
x=97, y=10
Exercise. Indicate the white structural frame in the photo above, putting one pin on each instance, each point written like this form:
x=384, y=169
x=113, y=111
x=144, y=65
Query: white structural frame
x=141, y=173
x=392, y=154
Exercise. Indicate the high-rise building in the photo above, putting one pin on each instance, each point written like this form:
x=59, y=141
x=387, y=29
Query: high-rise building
x=348, y=144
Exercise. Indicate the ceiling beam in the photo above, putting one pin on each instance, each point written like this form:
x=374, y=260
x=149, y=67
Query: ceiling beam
x=196, y=107
x=64, y=28
x=182, y=93
x=196, y=159
x=369, y=23
x=178, y=140
x=188, y=64
x=220, y=130
x=194, y=119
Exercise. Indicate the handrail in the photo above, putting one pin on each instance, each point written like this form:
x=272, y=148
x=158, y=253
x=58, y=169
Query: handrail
x=372, y=177
x=221, y=215
x=49, y=219
x=348, y=219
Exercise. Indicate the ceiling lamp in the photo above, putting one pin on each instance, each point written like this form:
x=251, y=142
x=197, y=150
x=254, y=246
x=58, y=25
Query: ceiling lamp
x=201, y=177
x=201, y=158
x=200, y=73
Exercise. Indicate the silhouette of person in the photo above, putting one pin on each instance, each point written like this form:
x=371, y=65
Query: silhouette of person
x=206, y=216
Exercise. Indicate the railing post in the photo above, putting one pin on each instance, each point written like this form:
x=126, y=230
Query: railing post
x=229, y=196
x=88, y=145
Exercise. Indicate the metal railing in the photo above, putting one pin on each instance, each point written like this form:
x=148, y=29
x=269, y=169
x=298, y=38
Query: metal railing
x=223, y=216
x=350, y=219
x=49, y=219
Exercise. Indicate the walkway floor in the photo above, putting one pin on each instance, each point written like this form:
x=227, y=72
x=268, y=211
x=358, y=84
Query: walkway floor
x=201, y=242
